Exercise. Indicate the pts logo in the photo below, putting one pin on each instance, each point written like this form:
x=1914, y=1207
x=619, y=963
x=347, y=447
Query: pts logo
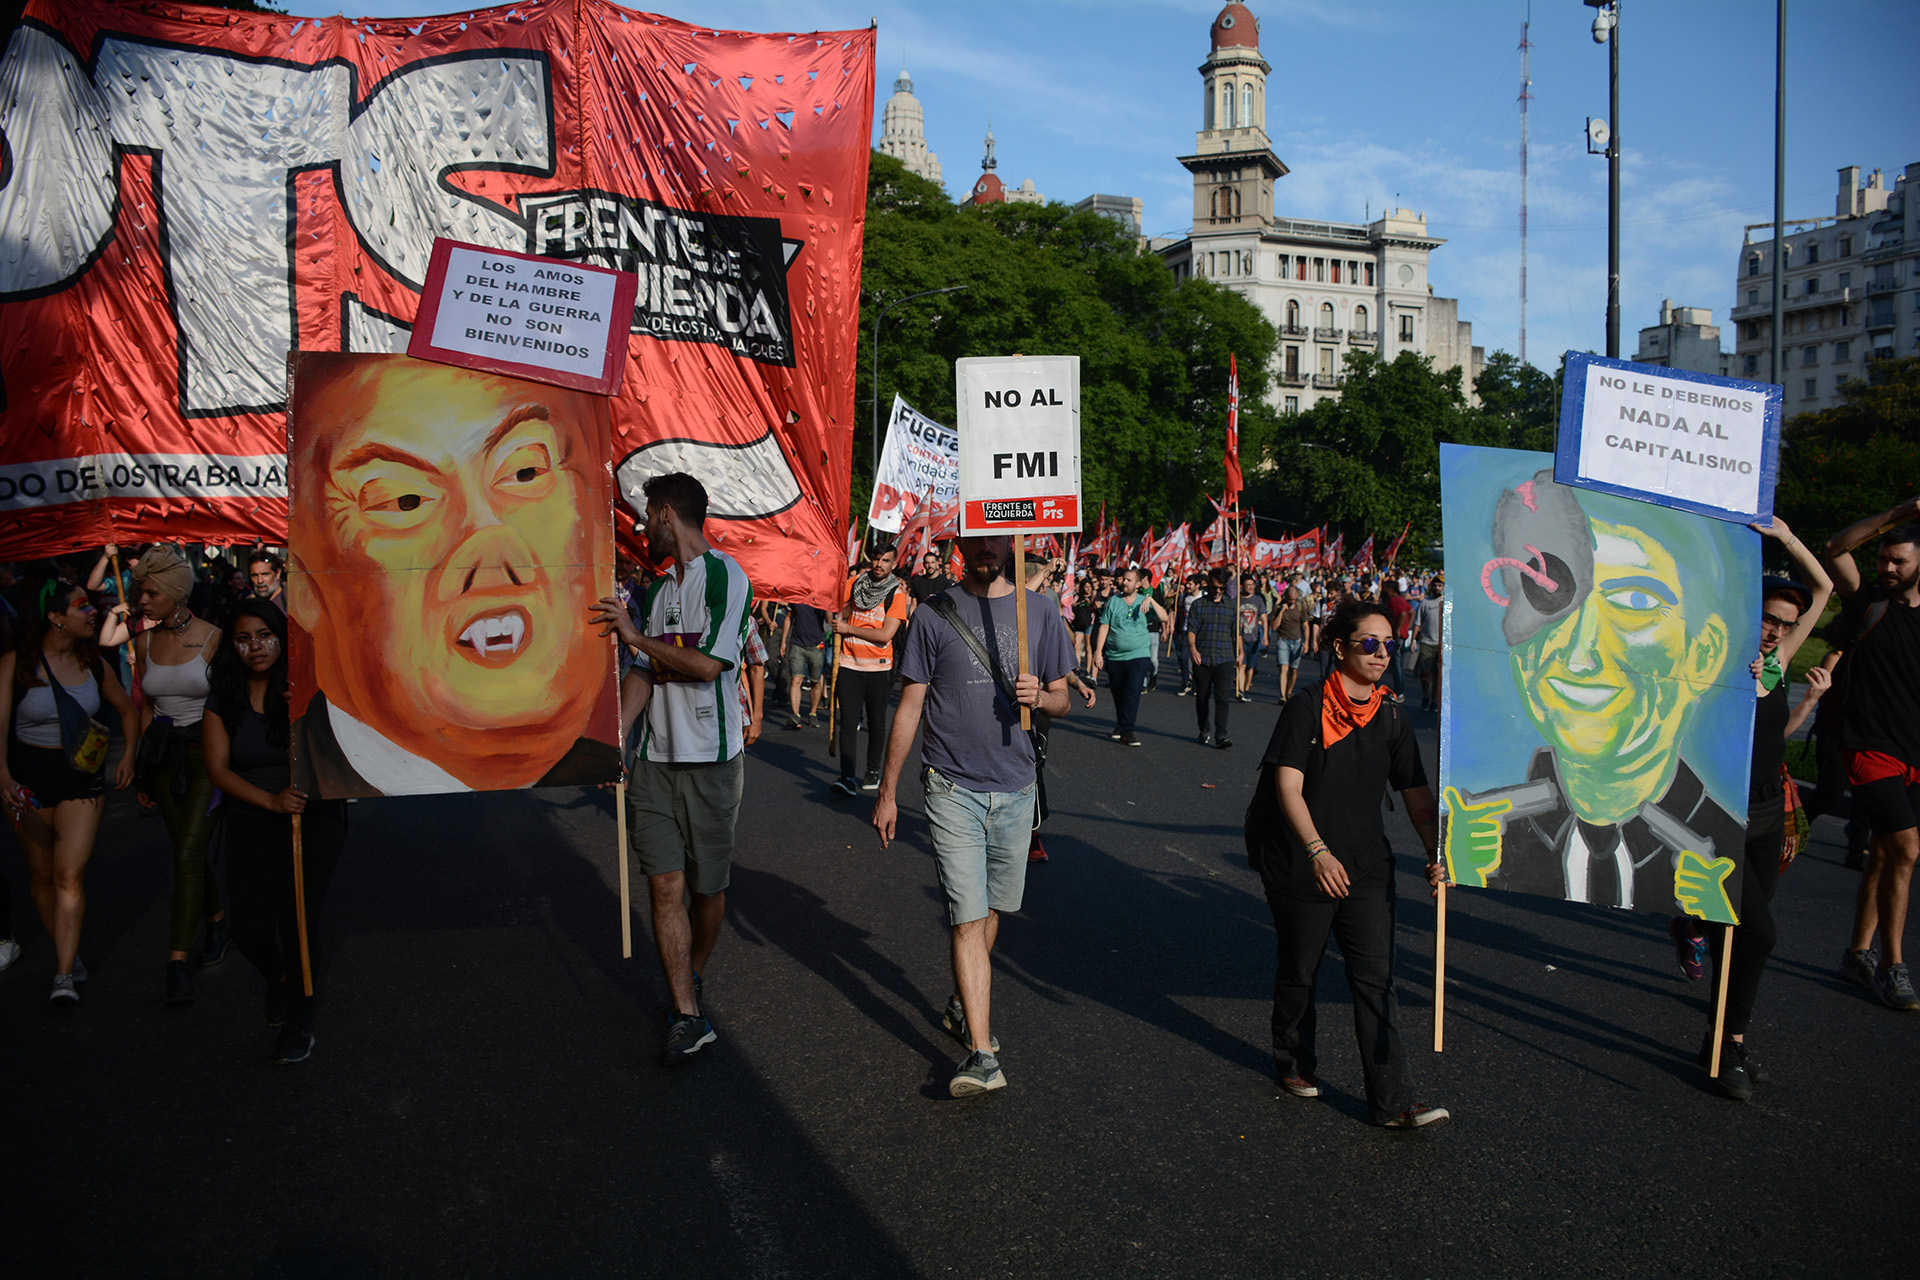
x=228, y=135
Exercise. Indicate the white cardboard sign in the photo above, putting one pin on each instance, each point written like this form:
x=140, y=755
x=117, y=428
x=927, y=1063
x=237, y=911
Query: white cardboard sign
x=1669, y=436
x=516, y=313
x=1019, y=434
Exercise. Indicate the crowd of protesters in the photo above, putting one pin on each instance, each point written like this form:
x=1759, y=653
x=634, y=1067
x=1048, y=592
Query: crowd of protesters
x=180, y=653
x=188, y=654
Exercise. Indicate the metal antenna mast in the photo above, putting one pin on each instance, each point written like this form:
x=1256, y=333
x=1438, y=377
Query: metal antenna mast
x=1526, y=97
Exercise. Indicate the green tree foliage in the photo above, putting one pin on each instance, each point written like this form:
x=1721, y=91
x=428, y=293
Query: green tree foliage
x=1368, y=462
x=1043, y=280
x=1525, y=398
x=1859, y=457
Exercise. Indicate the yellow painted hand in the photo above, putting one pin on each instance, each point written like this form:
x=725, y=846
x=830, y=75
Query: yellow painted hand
x=1474, y=834
x=1700, y=887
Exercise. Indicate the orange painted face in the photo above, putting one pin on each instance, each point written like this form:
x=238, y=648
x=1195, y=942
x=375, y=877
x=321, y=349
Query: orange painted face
x=452, y=535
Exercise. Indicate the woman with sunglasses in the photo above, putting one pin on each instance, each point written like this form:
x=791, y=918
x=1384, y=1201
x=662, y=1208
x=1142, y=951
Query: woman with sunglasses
x=245, y=739
x=55, y=808
x=1325, y=863
x=174, y=652
x=1789, y=612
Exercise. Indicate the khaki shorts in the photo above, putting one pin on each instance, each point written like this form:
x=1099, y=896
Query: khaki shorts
x=680, y=817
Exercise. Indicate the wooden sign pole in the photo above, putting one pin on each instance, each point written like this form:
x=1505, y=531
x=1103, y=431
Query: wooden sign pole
x=1440, y=968
x=1020, y=614
x=626, y=892
x=300, y=910
x=1720, y=1002
x=833, y=701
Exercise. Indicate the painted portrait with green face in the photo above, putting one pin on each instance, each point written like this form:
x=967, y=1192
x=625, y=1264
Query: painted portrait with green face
x=1598, y=718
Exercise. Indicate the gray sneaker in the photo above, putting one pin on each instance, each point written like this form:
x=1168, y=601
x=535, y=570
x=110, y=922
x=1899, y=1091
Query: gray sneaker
x=955, y=1021
x=1895, y=989
x=980, y=1073
x=1859, y=966
x=63, y=989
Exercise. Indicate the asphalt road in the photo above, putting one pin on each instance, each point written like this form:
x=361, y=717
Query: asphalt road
x=485, y=1098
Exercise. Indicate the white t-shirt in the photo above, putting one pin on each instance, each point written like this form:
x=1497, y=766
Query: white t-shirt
x=703, y=605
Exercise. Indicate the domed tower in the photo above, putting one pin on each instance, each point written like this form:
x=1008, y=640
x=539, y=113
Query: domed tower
x=989, y=189
x=1233, y=164
x=903, y=131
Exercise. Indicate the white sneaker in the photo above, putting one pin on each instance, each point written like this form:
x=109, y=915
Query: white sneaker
x=9, y=952
x=63, y=988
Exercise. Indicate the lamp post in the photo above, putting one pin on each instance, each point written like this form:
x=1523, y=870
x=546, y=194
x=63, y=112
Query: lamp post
x=1606, y=30
x=876, y=362
x=1774, y=372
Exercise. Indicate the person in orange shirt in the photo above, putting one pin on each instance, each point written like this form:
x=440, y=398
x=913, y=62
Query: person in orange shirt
x=877, y=606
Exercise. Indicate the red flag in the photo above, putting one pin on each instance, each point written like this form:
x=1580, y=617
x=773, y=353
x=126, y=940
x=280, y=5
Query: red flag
x=956, y=564
x=1393, y=548
x=147, y=308
x=1235, y=482
x=1363, y=558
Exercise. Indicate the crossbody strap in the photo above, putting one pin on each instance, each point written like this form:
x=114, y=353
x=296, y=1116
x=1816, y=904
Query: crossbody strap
x=61, y=697
x=943, y=605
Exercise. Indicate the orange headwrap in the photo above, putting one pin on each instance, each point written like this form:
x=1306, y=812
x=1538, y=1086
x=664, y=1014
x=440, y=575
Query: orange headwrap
x=1340, y=715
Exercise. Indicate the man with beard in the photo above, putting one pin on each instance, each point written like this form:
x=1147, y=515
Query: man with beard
x=979, y=769
x=683, y=797
x=264, y=572
x=876, y=609
x=1879, y=630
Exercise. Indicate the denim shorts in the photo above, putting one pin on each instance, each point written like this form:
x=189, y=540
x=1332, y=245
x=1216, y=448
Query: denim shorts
x=1287, y=652
x=980, y=843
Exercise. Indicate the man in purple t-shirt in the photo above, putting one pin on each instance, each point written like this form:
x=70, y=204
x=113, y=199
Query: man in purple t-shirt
x=978, y=769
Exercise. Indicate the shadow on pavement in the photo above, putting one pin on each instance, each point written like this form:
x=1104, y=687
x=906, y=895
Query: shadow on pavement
x=484, y=1098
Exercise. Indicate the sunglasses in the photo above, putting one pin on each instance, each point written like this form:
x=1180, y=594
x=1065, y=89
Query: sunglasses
x=1371, y=645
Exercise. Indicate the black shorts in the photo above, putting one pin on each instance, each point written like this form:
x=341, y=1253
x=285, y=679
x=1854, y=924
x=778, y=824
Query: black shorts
x=1887, y=805
x=45, y=772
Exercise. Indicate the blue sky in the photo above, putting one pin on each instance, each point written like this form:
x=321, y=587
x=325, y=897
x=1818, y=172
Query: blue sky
x=1376, y=102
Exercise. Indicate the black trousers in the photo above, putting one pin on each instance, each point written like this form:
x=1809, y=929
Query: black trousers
x=1754, y=936
x=1213, y=687
x=259, y=851
x=1126, y=676
x=863, y=692
x=1364, y=928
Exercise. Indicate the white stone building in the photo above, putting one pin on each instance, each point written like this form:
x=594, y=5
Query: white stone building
x=1851, y=291
x=1330, y=287
x=903, y=133
x=1686, y=338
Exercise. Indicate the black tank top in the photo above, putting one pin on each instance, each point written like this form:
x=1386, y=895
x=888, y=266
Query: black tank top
x=1769, y=745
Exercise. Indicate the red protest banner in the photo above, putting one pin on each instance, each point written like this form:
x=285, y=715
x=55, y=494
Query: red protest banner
x=277, y=183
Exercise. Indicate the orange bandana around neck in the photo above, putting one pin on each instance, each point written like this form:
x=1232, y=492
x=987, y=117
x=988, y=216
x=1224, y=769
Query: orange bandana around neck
x=1340, y=715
